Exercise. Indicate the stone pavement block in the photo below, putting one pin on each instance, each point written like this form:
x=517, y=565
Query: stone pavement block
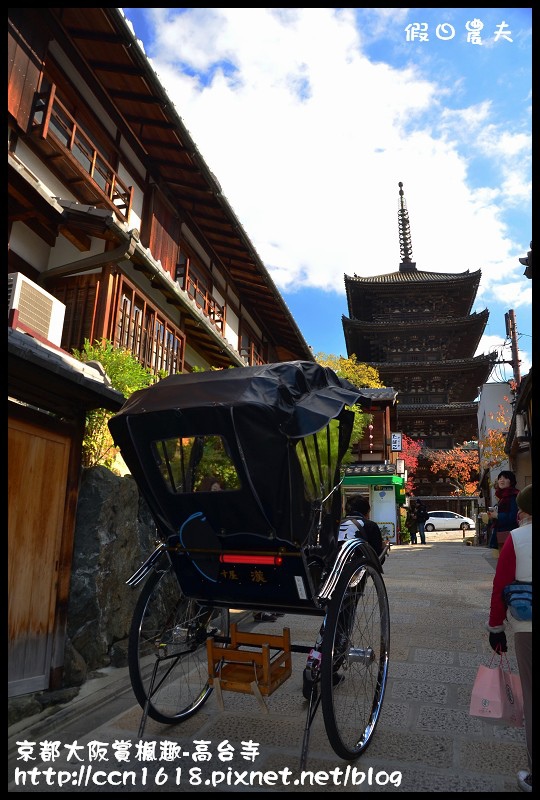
x=425, y=740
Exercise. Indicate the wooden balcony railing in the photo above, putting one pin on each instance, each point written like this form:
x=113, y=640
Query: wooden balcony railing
x=204, y=300
x=251, y=356
x=58, y=134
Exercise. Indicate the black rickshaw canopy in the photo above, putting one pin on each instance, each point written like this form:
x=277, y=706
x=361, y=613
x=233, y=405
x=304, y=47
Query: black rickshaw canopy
x=242, y=460
x=304, y=395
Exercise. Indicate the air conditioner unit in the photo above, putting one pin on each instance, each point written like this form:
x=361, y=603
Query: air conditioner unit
x=32, y=309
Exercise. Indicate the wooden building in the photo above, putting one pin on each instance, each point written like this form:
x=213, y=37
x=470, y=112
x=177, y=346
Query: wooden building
x=118, y=231
x=519, y=437
x=416, y=328
x=114, y=212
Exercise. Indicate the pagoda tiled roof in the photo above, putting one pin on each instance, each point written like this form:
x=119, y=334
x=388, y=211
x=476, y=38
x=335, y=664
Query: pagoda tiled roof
x=470, y=320
x=485, y=360
x=455, y=292
x=448, y=409
x=464, y=375
x=416, y=276
x=366, y=338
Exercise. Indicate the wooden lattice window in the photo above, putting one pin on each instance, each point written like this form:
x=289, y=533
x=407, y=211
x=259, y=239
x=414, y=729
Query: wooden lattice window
x=153, y=340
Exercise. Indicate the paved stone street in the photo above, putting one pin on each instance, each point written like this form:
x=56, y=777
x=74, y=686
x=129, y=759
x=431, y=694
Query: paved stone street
x=425, y=740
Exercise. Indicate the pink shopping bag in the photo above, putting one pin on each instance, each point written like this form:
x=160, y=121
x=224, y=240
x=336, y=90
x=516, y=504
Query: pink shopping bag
x=497, y=694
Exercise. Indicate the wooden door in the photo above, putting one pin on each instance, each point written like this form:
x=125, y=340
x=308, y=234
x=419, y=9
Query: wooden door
x=38, y=462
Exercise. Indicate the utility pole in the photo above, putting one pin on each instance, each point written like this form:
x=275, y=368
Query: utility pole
x=510, y=320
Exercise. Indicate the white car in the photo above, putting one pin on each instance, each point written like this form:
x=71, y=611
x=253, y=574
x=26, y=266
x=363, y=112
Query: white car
x=448, y=521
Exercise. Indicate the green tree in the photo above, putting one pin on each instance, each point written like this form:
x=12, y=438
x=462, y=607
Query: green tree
x=405, y=532
x=126, y=375
x=360, y=375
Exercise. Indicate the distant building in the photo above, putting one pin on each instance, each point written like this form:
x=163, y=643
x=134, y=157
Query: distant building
x=494, y=413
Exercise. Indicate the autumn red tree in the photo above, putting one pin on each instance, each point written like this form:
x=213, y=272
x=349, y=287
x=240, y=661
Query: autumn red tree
x=459, y=466
x=410, y=450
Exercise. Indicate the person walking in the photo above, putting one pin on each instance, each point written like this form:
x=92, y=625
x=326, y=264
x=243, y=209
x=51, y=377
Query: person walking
x=410, y=522
x=515, y=564
x=421, y=515
x=504, y=515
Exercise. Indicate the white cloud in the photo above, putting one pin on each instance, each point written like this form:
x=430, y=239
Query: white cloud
x=309, y=137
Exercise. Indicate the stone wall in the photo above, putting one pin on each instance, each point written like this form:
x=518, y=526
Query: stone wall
x=114, y=534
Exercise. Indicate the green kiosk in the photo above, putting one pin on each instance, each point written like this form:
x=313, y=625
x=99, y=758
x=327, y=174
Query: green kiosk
x=385, y=491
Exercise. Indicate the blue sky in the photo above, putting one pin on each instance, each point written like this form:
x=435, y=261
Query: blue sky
x=310, y=117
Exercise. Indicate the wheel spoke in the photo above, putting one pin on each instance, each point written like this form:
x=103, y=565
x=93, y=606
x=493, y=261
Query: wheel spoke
x=355, y=646
x=167, y=648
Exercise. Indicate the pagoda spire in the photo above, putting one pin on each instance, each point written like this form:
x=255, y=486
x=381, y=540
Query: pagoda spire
x=405, y=245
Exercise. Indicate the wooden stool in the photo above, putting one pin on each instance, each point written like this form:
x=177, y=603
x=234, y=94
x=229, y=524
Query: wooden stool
x=251, y=671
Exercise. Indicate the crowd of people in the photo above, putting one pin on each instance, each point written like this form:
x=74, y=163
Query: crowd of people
x=510, y=533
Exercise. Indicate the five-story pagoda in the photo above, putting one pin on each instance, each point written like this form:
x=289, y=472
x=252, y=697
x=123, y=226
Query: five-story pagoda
x=416, y=328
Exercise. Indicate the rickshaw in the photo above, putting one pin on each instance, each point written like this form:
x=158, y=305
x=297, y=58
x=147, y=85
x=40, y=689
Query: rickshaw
x=241, y=469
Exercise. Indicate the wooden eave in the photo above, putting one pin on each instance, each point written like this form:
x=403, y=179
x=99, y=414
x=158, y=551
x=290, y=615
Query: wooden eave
x=438, y=409
x=464, y=333
x=29, y=203
x=54, y=381
x=457, y=365
x=466, y=375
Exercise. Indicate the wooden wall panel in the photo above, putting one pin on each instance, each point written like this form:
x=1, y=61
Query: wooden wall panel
x=37, y=479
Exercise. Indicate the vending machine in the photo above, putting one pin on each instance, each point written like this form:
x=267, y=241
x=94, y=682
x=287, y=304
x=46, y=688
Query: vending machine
x=386, y=493
x=384, y=510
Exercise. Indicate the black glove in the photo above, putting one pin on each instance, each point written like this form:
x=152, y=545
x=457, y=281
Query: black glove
x=497, y=642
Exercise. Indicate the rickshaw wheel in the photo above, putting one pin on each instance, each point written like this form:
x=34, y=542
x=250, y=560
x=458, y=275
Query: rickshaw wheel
x=355, y=652
x=167, y=654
